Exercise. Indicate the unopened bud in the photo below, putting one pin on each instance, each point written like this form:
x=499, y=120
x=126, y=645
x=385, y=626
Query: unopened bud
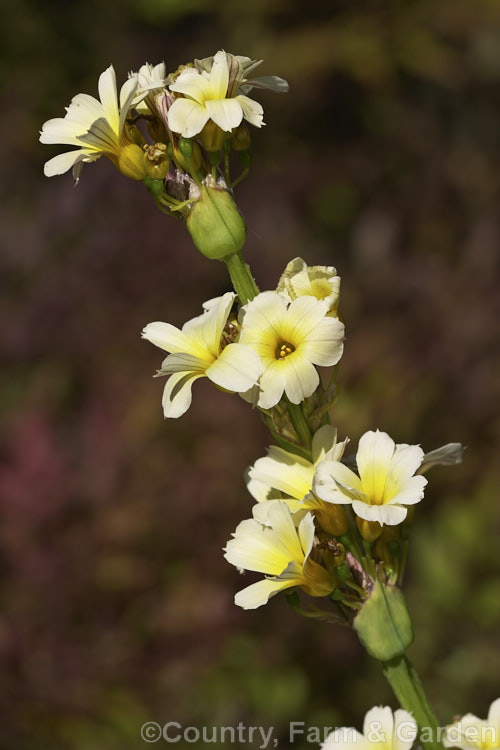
x=241, y=138
x=216, y=225
x=131, y=162
x=187, y=155
x=369, y=530
x=381, y=551
x=156, y=161
x=333, y=519
x=212, y=137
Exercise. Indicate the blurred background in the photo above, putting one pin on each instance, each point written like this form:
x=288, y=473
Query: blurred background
x=383, y=160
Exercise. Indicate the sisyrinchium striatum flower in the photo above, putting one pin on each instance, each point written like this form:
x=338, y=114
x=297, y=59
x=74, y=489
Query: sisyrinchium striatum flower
x=287, y=476
x=210, y=91
x=386, y=484
x=299, y=279
x=281, y=551
x=290, y=338
x=383, y=729
x=203, y=348
x=472, y=733
x=98, y=127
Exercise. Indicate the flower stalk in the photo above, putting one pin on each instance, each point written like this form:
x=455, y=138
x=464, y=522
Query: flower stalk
x=241, y=277
x=408, y=689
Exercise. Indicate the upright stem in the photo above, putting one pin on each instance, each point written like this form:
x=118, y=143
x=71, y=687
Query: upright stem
x=300, y=424
x=241, y=277
x=410, y=693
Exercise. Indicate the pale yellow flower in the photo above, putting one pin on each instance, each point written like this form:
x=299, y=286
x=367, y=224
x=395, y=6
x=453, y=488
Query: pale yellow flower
x=98, y=128
x=286, y=476
x=299, y=279
x=386, y=483
x=471, y=733
x=205, y=97
x=382, y=730
x=200, y=350
x=290, y=338
x=279, y=550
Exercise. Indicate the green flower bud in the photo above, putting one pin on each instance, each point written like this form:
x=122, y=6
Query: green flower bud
x=216, y=225
x=187, y=155
x=241, y=138
x=212, y=137
x=383, y=623
x=369, y=530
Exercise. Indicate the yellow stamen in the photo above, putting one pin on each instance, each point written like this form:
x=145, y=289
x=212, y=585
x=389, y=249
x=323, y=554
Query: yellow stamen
x=284, y=350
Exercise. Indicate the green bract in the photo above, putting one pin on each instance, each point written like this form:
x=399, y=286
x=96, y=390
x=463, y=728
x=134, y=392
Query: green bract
x=383, y=624
x=216, y=225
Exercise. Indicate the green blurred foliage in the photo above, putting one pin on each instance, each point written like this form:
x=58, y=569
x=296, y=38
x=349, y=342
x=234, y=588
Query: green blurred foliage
x=383, y=160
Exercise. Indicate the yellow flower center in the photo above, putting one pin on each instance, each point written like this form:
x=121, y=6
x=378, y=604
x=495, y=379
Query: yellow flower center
x=284, y=350
x=321, y=288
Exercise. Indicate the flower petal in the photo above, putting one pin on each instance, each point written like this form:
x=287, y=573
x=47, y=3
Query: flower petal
x=236, y=369
x=259, y=593
x=266, y=310
x=301, y=377
x=169, y=338
x=108, y=95
x=334, y=482
x=303, y=316
x=405, y=730
x=345, y=738
x=411, y=493
x=390, y=515
x=187, y=117
x=258, y=548
x=226, y=113
x=374, y=457
x=177, y=394
x=325, y=344
x=306, y=534
x=405, y=462
x=282, y=523
x=378, y=726
x=494, y=718
x=219, y=76
x=285, y=472
x=127, y=93
x=324, y=440
x=252, y=110
x=62, y=162
x=182, y=362
x=272, y=385
x=211, y=323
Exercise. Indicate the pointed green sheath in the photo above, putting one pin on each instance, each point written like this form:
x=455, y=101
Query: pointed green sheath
x=383, y=624
x=215, y=224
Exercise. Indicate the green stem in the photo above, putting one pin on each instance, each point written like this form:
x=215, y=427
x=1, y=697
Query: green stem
x=241, y=277
x=300, y=424
x=409, y=691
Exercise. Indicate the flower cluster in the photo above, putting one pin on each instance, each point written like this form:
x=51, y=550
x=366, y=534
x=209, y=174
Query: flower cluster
x=267, y=352
x=171, y=131
x=302, y=532
x=329, y=524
